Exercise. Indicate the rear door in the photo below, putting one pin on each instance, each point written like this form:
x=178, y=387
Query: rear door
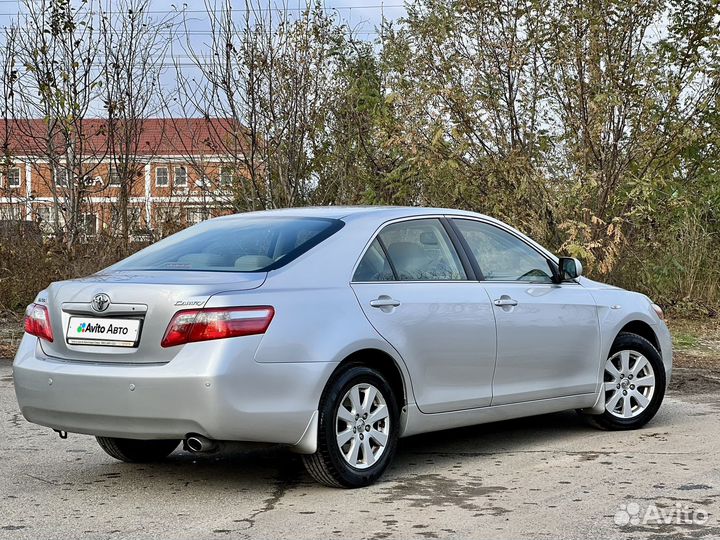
x=548, y=339
x=417, y=293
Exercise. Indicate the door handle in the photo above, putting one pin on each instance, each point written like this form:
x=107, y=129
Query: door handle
x=505, y=301
x=384, y=302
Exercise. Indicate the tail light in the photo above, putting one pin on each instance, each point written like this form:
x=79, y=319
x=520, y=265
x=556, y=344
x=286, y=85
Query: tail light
x=193, y=325
x=37, y=322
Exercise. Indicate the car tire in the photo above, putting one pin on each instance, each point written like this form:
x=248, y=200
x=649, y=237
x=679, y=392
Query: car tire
x=371, y=435
x=643, y=401
x=137, y=451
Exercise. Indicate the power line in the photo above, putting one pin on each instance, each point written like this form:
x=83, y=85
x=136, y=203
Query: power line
x=253, y=10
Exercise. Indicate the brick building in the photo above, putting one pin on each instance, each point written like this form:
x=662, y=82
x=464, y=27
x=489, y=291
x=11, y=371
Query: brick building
x=181, y=175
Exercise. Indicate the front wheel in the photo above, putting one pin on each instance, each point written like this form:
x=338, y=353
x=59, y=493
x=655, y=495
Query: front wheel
x=137, y=451
x=633, y=384
x=358, y=428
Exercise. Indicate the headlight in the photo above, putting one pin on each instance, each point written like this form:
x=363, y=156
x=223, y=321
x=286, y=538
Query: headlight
x=659, y=311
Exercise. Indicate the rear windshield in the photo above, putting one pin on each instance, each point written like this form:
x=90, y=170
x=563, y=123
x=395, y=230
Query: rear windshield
x=234, y=245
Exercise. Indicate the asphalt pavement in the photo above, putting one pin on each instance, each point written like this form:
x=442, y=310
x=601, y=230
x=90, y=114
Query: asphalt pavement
x=550, y=476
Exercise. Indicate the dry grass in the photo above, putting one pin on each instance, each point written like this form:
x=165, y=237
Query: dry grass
x=696, y=343
x=11, y=332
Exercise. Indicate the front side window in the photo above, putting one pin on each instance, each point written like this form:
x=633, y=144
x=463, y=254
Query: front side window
x=502, y=256
x=420, y=250
x=248, y=244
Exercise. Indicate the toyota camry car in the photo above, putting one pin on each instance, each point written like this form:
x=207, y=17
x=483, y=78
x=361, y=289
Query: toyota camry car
x=334, y=331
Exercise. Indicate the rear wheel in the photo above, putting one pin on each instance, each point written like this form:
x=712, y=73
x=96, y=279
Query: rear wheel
x=633, y=384
x=358, y=428
x=137, y=451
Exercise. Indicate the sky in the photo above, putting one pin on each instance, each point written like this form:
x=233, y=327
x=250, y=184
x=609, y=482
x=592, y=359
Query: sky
x=362, y=16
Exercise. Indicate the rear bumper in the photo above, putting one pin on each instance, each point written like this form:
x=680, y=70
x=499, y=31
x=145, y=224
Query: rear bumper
x=215, y=389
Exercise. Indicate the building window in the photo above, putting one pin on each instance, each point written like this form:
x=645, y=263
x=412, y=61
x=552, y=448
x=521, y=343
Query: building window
x=161, y=177
x=226, y=176
x=46, y=218
x=113, y=176
x=133, y=216
x=12, y=212
x=168, y=213
x=13, y=177
x=181, y=177
x=168, y=219
x=87, y=224
x=45, y=214
x=61, y=177
x=196, y=215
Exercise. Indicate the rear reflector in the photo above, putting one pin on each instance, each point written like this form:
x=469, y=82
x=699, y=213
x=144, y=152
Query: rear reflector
x=205, y=324
x=37, y=322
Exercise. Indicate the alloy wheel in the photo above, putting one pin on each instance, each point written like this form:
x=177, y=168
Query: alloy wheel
x=362, y=425
x=629, y=384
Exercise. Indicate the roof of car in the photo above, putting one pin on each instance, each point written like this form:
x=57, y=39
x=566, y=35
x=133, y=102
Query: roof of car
x=339, y=212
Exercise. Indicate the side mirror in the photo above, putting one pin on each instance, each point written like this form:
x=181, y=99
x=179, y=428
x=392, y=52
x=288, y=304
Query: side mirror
x=569, y=268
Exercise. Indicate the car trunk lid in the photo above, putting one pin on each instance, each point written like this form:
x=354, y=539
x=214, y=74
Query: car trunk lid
x=144, y=302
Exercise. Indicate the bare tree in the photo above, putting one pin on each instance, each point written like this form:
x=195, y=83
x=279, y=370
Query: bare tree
x=57, y=46
x=134, y=47
x=8, y=75
x=265, y=73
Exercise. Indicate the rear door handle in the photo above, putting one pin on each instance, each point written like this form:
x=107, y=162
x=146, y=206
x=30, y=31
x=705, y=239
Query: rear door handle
x=505, y=301
x=384, y=302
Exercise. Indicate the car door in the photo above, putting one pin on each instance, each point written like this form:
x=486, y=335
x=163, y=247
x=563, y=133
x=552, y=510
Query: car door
x=417, y=293
x=548, y=338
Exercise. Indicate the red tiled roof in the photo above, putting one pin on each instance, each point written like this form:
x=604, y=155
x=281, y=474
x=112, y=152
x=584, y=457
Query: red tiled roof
x=158, y=136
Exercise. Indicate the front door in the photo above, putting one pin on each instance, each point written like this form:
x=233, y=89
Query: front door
x=548, y=338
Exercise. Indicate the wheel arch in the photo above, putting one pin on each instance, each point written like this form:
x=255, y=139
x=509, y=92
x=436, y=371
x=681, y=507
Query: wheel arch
x=642, y=329
x=373, y=358
x=385, y=364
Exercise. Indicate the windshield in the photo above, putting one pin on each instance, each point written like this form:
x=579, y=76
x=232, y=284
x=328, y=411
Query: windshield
x=248, y=244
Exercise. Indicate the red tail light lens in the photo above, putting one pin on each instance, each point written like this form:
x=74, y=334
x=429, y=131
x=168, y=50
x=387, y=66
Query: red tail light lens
x=205, y=324
x=37, y=322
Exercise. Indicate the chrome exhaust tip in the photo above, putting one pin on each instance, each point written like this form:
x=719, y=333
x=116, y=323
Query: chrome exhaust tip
x=197, y=444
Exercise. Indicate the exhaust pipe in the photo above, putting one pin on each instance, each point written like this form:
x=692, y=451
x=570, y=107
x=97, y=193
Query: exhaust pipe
x=197, y=444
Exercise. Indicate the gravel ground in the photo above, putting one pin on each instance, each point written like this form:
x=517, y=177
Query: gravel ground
x=549, y=476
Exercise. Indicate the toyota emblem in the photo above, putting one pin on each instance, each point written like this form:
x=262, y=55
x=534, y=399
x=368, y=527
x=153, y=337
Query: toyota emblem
x=100, y=302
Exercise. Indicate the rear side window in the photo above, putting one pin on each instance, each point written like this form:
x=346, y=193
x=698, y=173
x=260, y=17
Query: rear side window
x=374, y=265
x=251, y=244
x=415, y=250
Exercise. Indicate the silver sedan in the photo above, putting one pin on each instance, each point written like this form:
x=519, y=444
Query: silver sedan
x=335, y=331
